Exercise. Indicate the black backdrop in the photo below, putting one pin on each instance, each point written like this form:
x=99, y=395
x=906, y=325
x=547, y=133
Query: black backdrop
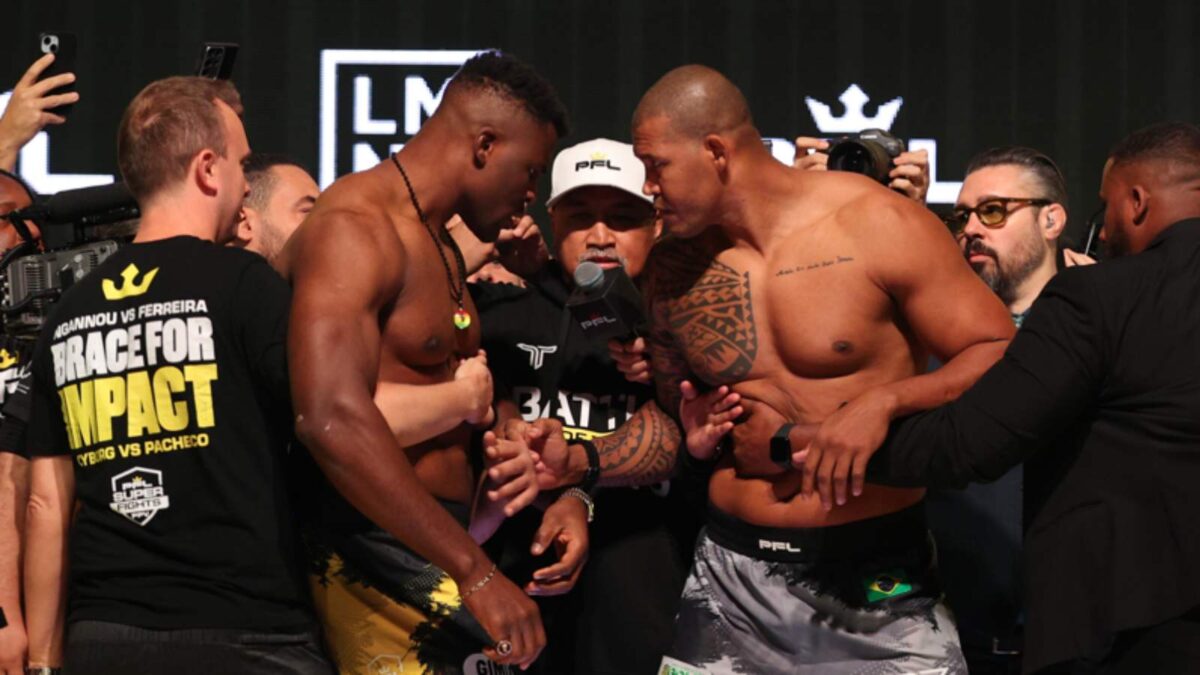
x=1069, y=77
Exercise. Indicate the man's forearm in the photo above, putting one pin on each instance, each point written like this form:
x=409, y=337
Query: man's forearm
x=8, y=160
x=642, y=451
x=351, y=442
x=416, y=413
x=929, y=390
x=14, y=494
x=47, y=524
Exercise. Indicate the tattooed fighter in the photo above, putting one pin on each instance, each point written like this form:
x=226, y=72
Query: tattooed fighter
x=814, y=297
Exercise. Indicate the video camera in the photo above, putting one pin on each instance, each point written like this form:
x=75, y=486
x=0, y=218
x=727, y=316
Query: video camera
x=869, y=152
x=80, y=228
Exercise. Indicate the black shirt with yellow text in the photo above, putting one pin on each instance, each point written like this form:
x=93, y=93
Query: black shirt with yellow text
x=163, y=375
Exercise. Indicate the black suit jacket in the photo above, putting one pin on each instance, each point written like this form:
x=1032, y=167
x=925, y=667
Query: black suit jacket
x=1101, y=387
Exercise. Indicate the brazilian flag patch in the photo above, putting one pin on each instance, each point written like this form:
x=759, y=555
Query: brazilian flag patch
x=889, y=584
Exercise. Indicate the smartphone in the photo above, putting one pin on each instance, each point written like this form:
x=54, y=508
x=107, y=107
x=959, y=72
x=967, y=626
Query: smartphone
x=62, y=46
x=216, y=60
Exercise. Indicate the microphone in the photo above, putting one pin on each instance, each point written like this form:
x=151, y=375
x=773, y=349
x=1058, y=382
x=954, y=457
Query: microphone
x=84, y=206
x=606, y=304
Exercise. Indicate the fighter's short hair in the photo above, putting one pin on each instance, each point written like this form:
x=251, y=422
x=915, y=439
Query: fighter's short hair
x=515, y=80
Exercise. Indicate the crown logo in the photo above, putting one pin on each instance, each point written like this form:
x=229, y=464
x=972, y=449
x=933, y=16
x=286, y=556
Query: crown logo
x=6, y=359
x=128, y=289
x=597, y=156
x=854, y=98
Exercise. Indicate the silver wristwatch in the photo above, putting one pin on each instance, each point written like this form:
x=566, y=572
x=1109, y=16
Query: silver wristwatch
x=583, y=496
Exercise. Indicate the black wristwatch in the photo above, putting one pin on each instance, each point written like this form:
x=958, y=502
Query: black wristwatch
x=781, y=447
x=592, y=475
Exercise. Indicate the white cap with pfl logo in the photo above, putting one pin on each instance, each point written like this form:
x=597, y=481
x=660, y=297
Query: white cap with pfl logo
x=597, y=162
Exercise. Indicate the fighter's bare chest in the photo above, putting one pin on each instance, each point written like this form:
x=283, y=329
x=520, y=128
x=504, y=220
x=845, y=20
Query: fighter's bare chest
x=433, y=320
x=809, y=314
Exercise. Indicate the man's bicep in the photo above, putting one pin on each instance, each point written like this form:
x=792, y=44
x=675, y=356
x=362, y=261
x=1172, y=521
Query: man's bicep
x=945, y=304
x=1045, y=382
x=339, y=291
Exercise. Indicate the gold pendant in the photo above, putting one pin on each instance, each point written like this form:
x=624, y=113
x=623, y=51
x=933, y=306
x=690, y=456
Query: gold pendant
x=462, y=320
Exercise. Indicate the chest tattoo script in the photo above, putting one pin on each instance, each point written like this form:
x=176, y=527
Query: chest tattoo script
x=820, y=264
x=714, y=321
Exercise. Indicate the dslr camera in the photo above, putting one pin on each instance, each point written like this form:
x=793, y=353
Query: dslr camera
x=869, y=152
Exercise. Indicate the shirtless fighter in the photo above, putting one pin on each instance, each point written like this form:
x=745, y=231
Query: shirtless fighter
x=813, y=289
x=380, y=297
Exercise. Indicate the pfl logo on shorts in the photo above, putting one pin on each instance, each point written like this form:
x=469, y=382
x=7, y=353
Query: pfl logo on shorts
x=768, y=545
x=372, y=100
x=138, y=494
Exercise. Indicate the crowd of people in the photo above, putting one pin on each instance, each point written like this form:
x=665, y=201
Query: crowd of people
x=854, y=437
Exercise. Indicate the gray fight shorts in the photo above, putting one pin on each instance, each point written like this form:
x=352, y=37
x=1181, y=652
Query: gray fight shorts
x=855, y=599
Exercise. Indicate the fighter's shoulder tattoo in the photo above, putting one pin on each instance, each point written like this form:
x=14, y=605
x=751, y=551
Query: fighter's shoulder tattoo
x=709, y=310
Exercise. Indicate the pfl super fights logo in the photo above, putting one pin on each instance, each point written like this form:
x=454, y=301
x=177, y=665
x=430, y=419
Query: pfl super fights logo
x=138, y=494
x=372, y=100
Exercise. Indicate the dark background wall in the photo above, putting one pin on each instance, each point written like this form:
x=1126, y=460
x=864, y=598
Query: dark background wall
x=1069, y=77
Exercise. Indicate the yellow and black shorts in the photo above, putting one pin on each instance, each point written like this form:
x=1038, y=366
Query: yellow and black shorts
x=385, y=610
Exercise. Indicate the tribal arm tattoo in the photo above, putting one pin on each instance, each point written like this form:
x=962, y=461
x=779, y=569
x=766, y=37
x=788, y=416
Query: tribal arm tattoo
x=642, y=451
x=702, y=323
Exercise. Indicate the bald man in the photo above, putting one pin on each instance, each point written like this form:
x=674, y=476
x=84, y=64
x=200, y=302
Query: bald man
x=799, y=292
x=380, y=298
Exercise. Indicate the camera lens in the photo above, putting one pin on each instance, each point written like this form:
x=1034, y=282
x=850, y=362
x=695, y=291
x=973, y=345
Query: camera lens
x=854, y=159
x=861, y=156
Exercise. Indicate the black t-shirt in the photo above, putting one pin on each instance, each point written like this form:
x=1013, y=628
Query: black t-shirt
x=163, y=374
x=16, y=376
x=619, y=617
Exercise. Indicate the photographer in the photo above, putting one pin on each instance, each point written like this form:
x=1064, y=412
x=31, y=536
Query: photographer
x=160, y=408
x=910, y=176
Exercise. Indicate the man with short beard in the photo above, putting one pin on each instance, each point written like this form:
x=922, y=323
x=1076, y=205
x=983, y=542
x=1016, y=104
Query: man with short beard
x=281, y=195
x=1008, y=218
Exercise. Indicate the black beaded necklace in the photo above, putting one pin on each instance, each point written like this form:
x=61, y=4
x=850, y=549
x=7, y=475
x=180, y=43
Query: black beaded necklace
x=462, y=319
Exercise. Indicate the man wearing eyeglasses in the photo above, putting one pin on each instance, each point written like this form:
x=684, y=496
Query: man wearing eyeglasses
x=1008, y=218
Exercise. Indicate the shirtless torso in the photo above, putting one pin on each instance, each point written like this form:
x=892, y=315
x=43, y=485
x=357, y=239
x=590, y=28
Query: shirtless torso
x=852, y=293
x=419, y=343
